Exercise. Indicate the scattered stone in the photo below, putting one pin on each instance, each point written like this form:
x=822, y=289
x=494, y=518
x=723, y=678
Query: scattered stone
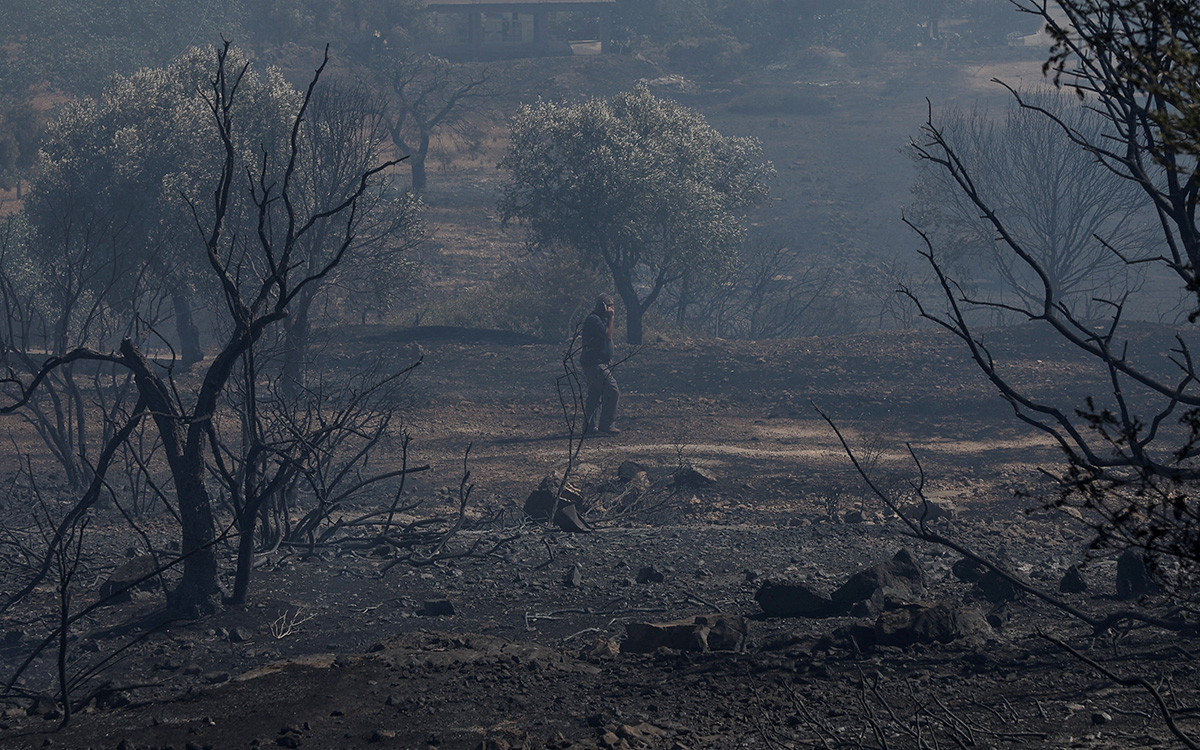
x=701, y=633
x=779, y=599
x=381, y=735
x=493, y=744
x=650, y=574
x=437, y=608
x=542, y=502
x=853, y=516
x=121, y=581
x=605, y=648
x=216, y=678
x=1101, y=717
x=1133, y=579
x=382, y=549
x=901, y=577
x=968, y=571
x=690, y=476
x=928, y=511
x=1073, y=581
x=241, y=634
x=995, y=588
x=109, y=699
x=573, y=578
x=630, y=469
x=288, y=740
x=644, y=733
x=42, y=705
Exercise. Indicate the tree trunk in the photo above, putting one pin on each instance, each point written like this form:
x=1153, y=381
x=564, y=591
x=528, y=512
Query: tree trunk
x=634, y=308
x=633, y=325
x=419, y=179
x=198, y=592
x=245, y=558
x=185, y=326
x=297, y=330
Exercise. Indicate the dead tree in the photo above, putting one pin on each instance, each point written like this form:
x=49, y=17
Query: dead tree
x=260, y=276
x=1133, y=452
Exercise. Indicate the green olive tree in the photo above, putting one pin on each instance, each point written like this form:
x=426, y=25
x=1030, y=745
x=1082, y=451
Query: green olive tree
x=641, y=186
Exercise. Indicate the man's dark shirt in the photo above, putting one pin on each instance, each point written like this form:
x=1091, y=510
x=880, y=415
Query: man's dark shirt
x=597, y=346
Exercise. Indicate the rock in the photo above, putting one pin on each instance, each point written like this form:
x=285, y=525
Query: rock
x=928, y=511
x=701, y=633
x=968, y=571
x=630, y=469
x=779, y=599
x=123, y=578
x=493, y=744
x=642, y=734
x=996, y=588
x=927, y=623
x=241, y=634
x=853, y=516
x=541, y=502
x=573, y=577
x=1073, y=581
x=605, y=648
x=1133, y=579
x=650, y=574
x=1101, y=717
x=690, y=476
x=42, y=705
x=901, y=577
x=437, y=608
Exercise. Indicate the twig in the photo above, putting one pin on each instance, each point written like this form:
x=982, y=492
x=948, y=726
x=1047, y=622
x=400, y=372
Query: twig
x=1167, y=714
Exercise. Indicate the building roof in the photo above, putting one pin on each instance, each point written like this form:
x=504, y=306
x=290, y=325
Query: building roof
x=482, y=4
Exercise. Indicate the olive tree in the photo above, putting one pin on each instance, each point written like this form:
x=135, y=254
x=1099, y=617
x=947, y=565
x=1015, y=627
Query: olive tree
x=641, y=186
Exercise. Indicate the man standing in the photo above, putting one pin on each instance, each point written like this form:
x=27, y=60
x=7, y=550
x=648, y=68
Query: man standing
x=596, y=360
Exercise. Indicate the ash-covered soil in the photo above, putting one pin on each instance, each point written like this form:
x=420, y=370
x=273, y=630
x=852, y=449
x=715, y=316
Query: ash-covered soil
x=520, y=646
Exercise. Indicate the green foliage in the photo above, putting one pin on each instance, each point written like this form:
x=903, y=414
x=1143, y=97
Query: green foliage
x=541, y=296
x=641, y=186
x=895, y=25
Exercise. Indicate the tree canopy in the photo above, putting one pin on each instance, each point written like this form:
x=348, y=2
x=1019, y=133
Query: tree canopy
x=640, y=185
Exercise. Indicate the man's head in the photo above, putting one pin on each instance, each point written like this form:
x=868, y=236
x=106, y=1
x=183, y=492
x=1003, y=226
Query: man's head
x=604, y=305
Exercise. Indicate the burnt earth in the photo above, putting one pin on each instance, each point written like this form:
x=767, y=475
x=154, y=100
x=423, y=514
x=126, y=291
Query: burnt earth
x=520, y=648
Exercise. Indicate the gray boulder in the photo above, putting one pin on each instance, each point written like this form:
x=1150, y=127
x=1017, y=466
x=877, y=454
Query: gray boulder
x=121, y=584
x=928, y=623
x=901, y=577
x=779, y=599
